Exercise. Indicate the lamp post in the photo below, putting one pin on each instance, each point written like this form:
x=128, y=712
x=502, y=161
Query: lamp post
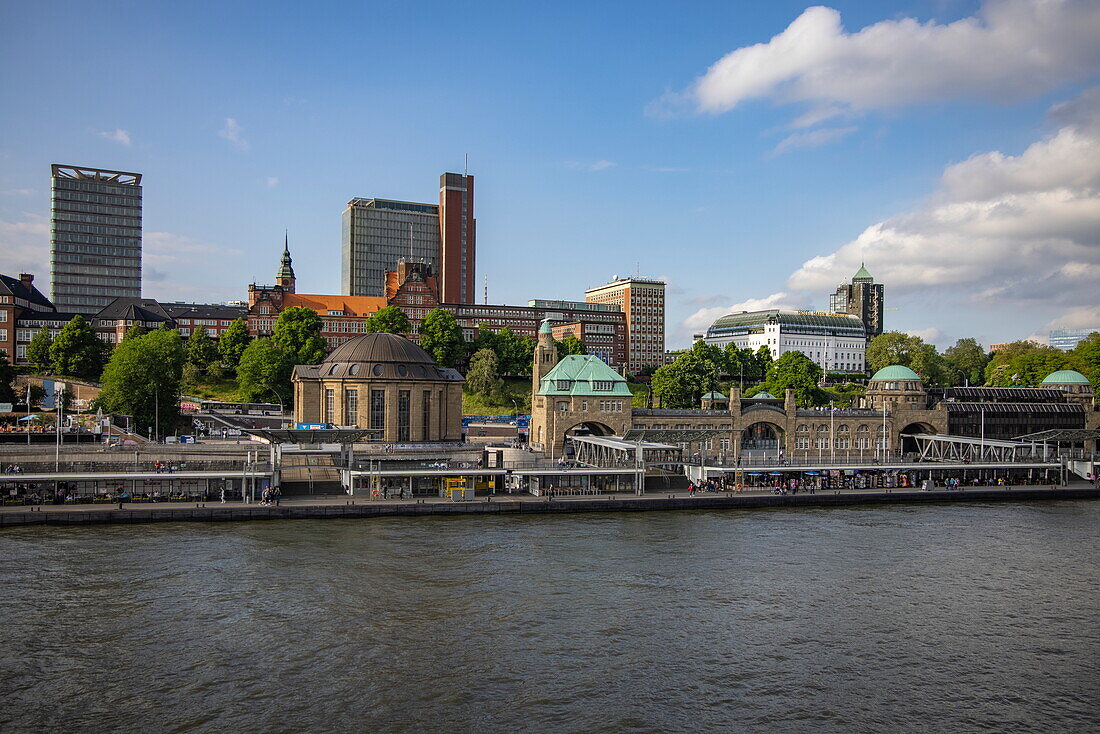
x=832, y=433
x=515, y=403
x=59, y=395
x=28, y=414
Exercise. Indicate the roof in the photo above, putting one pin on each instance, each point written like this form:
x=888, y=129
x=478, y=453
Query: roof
x=544, y=328
x=575, y=375
x=895, y=372
x=791, y=320
x=322, y=304
x=862, y=273
x=763, y=396
x=379, y=347
x=14, y=287
x=204, y=311
x=1062, y=434
x=1074, y=408
x=1066, y=377
x=133, y=309
x=1013, y=394
x=714, y=395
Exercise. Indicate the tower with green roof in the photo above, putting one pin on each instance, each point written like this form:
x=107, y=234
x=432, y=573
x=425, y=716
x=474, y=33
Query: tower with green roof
x=863, y=297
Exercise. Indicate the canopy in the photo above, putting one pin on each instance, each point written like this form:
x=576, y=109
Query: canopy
x=28, y=417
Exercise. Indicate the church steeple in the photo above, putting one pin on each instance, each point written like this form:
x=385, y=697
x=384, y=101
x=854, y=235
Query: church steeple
x=285, y=276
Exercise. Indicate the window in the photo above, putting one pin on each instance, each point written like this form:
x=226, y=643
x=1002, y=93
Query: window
x=561, y=384
x=330, y=405
x=402, y=415
x=602, y=385
x=802, y=442
x=563, y=405
x=351, y=407
x=426, y=416
x=584, y=405
x=378, y=410
x=723, y=444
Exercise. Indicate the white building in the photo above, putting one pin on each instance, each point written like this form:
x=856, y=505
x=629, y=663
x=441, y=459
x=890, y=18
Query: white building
x=835, y=341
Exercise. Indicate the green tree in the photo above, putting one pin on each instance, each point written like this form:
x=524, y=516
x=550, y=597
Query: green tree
x=927, y=362
x=77, y=351
x=297, y=333
x=683, y=383
x=391, y=320
x=233, y=342
x=966, y=362
x=1026, y=363
x=795, y=371
x=38, y=351
x=7, y=381
x=762, y=362
x=142, y=379
x=889, y=348
x=134, y=332
x=1087, y=354
x=264, y=372
x=483, y=377
x=441, y=337
x=202, y=351
x=572, y=345
x=486, y=339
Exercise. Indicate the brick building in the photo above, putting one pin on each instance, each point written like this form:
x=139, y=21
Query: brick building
x=642, y=301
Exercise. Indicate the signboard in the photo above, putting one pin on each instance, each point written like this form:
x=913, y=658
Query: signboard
x=187, y=439
x=310, y=426
x=189, y=406
x=5, y=407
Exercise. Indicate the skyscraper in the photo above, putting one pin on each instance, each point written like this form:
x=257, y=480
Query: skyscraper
x=864, y=298
x=378, y=233
x=95, y=237
x=457, y=249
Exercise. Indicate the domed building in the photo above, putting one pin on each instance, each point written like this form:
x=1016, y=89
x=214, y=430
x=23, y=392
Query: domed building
x=896, y=386
x=383, y=382
x=1076, y=386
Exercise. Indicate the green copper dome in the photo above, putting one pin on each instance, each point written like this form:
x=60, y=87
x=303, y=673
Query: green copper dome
x=862, y=273
x=895, y=373
x=1066, y=377
x=545, y=327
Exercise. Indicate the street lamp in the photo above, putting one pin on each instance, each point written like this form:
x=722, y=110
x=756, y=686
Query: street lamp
x=515, y=403
x=59, y=395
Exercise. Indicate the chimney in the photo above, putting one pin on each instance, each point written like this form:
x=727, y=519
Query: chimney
x=27, y=279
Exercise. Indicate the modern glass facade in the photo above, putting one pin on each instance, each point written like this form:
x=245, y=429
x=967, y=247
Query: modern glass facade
x=376, y=234
x=95, y=237
x=1067, y=339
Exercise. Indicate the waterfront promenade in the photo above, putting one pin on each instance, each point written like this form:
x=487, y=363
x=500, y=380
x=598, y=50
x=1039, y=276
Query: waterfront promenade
x=345, y=507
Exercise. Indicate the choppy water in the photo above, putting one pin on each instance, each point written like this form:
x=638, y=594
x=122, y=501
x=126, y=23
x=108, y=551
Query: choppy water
x=954, y=618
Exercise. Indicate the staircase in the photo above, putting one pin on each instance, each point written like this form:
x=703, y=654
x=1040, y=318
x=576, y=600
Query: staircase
x=309, y=474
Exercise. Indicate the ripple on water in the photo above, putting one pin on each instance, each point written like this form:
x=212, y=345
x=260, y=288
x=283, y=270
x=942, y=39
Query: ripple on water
x=978, y=618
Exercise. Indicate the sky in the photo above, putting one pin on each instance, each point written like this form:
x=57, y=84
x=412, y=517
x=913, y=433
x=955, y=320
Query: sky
x=752, y=154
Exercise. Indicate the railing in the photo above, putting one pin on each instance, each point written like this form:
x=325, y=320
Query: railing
x=14, y=470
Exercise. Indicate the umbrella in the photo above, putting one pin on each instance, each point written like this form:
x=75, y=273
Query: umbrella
x=28, y=417
x=776, y=473
x=754, y=474
x=812, y=473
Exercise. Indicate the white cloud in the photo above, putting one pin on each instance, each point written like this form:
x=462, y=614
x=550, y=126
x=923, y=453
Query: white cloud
x=1002, y=230
x=17, y=192
x=812, y=138
x=231, y=131
x=1010, y=49
x=118, y=135
x=167, y=247
x=701, y=320
x=600, y=165
x=931, y=335
x=271, y=181
x=25, y=246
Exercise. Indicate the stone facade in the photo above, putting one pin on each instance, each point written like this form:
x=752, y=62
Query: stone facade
x=383, y=382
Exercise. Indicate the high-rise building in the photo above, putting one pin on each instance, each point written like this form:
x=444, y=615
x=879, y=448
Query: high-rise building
x=457, y=237
x=378, y=233
x=642, y=300
x=95, y=237
x=864, y=298
x=1067, y=339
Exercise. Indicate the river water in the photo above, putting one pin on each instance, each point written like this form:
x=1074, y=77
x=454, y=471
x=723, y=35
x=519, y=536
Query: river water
x=885, y=619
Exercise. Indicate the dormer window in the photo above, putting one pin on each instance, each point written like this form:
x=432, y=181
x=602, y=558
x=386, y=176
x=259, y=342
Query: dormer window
x=602, y=385
x=562, y=384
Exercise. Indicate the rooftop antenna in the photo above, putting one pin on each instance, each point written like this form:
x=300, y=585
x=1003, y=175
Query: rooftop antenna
x=486, y=290
x=465, y=164
x=410, y=242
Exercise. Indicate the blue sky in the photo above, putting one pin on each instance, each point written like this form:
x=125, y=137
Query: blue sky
x=947, y=143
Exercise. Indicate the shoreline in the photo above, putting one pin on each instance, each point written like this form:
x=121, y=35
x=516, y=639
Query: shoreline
x=343, y=508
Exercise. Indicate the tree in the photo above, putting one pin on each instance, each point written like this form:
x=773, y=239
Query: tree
x=483, y=377
x=297, y=333
x=1087, y=354
x=486, y=339
x=77, y=351
x=38, y=351
x=441, y=337
x=264, y=372
x=7, y=381
x=762, y=361
x=134, y=331
x=683, y=383
x=142, y=379
x=572, y=345
x=514, y=352
x=966, y=362
x=390, y=320
x=889, y=348
x=233, y=342
x=202, y=351
x=1026, y=363
x=795, y=371
x=927, y=362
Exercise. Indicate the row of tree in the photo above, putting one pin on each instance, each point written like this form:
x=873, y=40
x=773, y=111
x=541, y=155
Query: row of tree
x=967, y=363
x=701, y=369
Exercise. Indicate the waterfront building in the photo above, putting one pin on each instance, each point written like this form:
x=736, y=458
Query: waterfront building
x=835, y=341
x=382, y=382
x=576, y=395
x=642, y=301
x=864, y=298
x=20, y=300
x=95, y=237
x=378, y=233
x=1067, y=339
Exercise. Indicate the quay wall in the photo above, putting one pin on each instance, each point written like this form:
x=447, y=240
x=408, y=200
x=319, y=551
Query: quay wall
x=530, y=507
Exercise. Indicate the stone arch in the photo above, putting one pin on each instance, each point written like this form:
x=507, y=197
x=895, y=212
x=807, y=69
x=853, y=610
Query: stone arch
x=761, y=436
x=909, y=445
x=584, y=428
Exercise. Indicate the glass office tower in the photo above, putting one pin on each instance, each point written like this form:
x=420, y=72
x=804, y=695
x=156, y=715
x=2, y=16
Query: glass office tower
x=95, y=237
